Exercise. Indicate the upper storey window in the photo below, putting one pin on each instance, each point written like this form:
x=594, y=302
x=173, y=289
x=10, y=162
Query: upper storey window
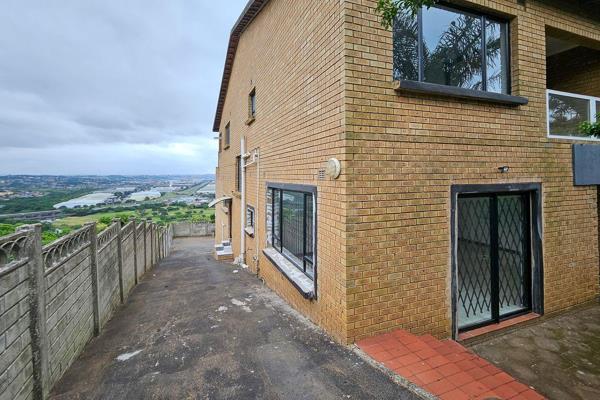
x=227, y=140
x=251, y=107
x=252, y=104
x=447, y=46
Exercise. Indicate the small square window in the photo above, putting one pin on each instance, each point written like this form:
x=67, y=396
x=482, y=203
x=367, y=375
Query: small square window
x=227, y=138
x=250, y=217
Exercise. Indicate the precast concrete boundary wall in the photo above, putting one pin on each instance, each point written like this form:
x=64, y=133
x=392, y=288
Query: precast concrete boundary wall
x=193, y=229
x=54, y=299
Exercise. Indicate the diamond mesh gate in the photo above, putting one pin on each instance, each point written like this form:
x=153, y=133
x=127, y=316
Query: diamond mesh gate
x=493, y=258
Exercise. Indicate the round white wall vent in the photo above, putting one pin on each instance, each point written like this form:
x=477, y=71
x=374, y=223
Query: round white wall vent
x=333, y=169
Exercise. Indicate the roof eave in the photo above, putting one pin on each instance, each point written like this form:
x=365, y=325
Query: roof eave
x=250, y=12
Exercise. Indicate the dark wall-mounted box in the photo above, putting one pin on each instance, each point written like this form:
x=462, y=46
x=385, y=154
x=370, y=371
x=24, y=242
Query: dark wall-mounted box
x=586, y=164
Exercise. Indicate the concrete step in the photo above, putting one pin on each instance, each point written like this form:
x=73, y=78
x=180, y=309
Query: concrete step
x=220, y=256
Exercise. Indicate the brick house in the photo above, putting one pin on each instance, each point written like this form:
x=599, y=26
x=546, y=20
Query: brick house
x=432, y=178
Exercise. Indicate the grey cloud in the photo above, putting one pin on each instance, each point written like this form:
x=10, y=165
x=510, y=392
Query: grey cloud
x=91, y=72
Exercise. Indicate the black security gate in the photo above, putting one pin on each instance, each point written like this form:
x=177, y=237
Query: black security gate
x=493, y=258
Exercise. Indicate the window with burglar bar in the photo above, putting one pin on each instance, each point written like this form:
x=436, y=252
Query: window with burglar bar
x=449, y=46
x=250, y=217
x=290, y=220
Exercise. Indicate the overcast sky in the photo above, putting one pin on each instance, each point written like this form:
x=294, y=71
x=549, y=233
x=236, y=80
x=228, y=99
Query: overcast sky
x=111, y=86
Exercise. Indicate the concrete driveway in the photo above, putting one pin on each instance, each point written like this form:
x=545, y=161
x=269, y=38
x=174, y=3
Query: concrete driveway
x=559, y=357
x=199, y=329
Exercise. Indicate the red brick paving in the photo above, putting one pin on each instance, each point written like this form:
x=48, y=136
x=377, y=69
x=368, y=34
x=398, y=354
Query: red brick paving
x=444, y=368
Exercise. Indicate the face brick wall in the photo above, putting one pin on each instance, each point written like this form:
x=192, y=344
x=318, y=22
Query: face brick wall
x=323, y=77
x=405, y=152
x=575, y=71
x=292, y=53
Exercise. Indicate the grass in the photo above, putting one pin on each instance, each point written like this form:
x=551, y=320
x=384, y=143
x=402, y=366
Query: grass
x=160, y=215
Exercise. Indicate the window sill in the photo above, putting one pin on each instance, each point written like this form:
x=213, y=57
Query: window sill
x=293, y=274
x=575, y=138
x=456, y=92
x=250, y=120
x=249, y=231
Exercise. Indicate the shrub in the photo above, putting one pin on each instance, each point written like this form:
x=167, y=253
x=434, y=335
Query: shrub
x=106, y=220
x=591, y=129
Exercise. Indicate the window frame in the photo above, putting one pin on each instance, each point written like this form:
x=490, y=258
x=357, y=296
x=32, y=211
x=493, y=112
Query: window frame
x=593, y=109
x=307, y=191
x=227, y=136
x=483, y=18
x=250, y=222
x=250, y=211
x=252, y=104
x=238, y=173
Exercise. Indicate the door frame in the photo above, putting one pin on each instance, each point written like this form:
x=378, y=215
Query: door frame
x=537, y=281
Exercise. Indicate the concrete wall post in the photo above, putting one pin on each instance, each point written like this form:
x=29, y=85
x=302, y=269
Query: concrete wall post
x=95, y=280
x=145, y=246
x=135, y=258
x=37, y=312
x=151, y=228
x=120, y=258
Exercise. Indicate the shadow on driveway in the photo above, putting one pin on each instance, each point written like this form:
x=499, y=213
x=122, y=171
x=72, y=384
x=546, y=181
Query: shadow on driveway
x=199, y=329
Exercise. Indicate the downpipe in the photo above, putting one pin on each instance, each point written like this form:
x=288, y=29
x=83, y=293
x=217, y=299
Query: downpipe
x=242, y=172
x=254, y=158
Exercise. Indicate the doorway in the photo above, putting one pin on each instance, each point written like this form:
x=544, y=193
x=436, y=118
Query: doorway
x=493, y=258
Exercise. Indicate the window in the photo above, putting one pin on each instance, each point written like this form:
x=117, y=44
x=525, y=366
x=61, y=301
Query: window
x=250, y=220
x=252, y=105
x=291, y=224
x=567, y=111
x=446, y=46
x=238, y=174
x=220, y=142
x=227, y=136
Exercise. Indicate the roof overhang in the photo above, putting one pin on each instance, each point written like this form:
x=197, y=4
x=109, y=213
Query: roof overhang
x=219, y=200
x=250, y=12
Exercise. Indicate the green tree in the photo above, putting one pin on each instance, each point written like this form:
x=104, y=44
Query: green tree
x=389, y=9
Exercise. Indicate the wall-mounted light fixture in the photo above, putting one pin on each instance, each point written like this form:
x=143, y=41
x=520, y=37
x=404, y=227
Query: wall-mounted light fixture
x=504, y=169
x=333, y=168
